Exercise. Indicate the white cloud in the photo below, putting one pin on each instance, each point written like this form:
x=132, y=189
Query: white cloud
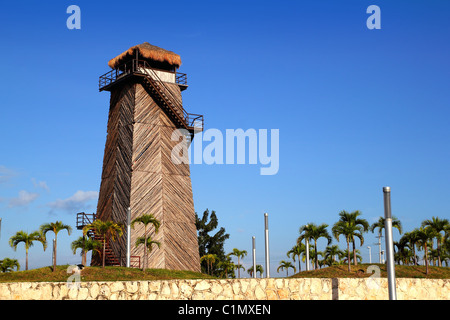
x=77, y=202
x=6, y=174
x=23, y=199
x=40, y=184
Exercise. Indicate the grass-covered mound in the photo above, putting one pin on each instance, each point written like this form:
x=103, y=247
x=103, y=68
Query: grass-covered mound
x=360, y=271
x=46, y=274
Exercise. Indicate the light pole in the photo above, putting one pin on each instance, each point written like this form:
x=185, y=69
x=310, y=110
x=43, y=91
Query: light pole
x=389, y=243
x=254, y=257
x=307, y=252
x=266, y=226
x=379, y=247
x=370, y=254
x=128, y=236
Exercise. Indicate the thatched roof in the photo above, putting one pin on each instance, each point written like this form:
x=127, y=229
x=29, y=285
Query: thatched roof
x=147, y=51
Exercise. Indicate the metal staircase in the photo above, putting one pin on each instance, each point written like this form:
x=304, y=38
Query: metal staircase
x=84, y=219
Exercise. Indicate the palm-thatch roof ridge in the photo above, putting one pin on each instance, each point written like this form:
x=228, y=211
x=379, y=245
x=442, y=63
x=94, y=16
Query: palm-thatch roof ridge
x=147, y=51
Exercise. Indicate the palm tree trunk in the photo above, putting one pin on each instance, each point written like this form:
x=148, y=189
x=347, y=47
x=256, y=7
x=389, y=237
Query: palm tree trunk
x=26, y=258
x=316, y=265
x=239, y=269
x=348, y=255
x=54, y=255
x=426, y=258
x=145, y=248
x=83, y=252
x=83, y=257
x=104, y=251
x=439, y=252
x=354, y=253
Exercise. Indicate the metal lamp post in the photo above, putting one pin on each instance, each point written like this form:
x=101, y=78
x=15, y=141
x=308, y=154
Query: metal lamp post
x=254, y=257
x=266, y=226
x=307, y=253
x=370, y=254
x=389, y=243
x=128, y=236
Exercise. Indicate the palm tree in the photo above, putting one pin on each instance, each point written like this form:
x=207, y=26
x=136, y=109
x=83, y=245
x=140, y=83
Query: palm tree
x=403, y=254
x=297, y=251
x=424, y=235
x=27, y=239
x=312, y=231
x=86, y=244
x=238, y=267
x=238, y=253
x=286, y=265
x=147, y=219
x=210, y=259
x=347, y=255
x=438, y=226
x=349, y=231
x=148, y=245
x=260, y=269
x=55, y=227
x=331, y=252
x=7, y=265
x=380, y=226
x=352, y=219
x=411, y=239
x=107, y=230
x=226, y=266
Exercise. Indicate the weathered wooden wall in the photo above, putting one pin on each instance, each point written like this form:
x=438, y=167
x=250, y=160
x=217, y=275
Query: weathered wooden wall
x=138, y=172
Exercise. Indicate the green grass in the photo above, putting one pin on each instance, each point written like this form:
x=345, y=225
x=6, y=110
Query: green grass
x=46, y=274
x=360, y=271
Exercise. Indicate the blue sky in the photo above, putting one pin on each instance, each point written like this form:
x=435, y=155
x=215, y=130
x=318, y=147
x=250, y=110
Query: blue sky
x=357, y=109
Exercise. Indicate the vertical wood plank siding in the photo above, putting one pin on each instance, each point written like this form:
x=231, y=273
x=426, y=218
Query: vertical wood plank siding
x=138, y=172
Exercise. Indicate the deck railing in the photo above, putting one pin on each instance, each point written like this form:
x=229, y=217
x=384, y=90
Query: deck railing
x=141, y=67
x=131, y=67
x=83, y=219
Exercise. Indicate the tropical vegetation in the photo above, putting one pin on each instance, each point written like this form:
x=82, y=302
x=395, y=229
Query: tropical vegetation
x=147, y=219
x=427, y=244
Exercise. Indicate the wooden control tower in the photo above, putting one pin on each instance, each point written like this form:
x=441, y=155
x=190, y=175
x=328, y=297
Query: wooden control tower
x=138, y=171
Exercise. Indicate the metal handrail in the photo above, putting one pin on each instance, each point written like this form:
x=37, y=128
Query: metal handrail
x=113, y=75
x=134, y=260
x=83, y=219
x=181, y=78
x=194, y=121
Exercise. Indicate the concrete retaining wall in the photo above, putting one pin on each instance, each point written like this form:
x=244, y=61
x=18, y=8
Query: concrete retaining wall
x=235, y=289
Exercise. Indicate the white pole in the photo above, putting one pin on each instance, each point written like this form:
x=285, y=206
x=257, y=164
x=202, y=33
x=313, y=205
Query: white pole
x=370, y=254
x=254, y=257
x=389, y=243
x=379, y=247
x=128, y=236
x=266, y=225
x=307, y=253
